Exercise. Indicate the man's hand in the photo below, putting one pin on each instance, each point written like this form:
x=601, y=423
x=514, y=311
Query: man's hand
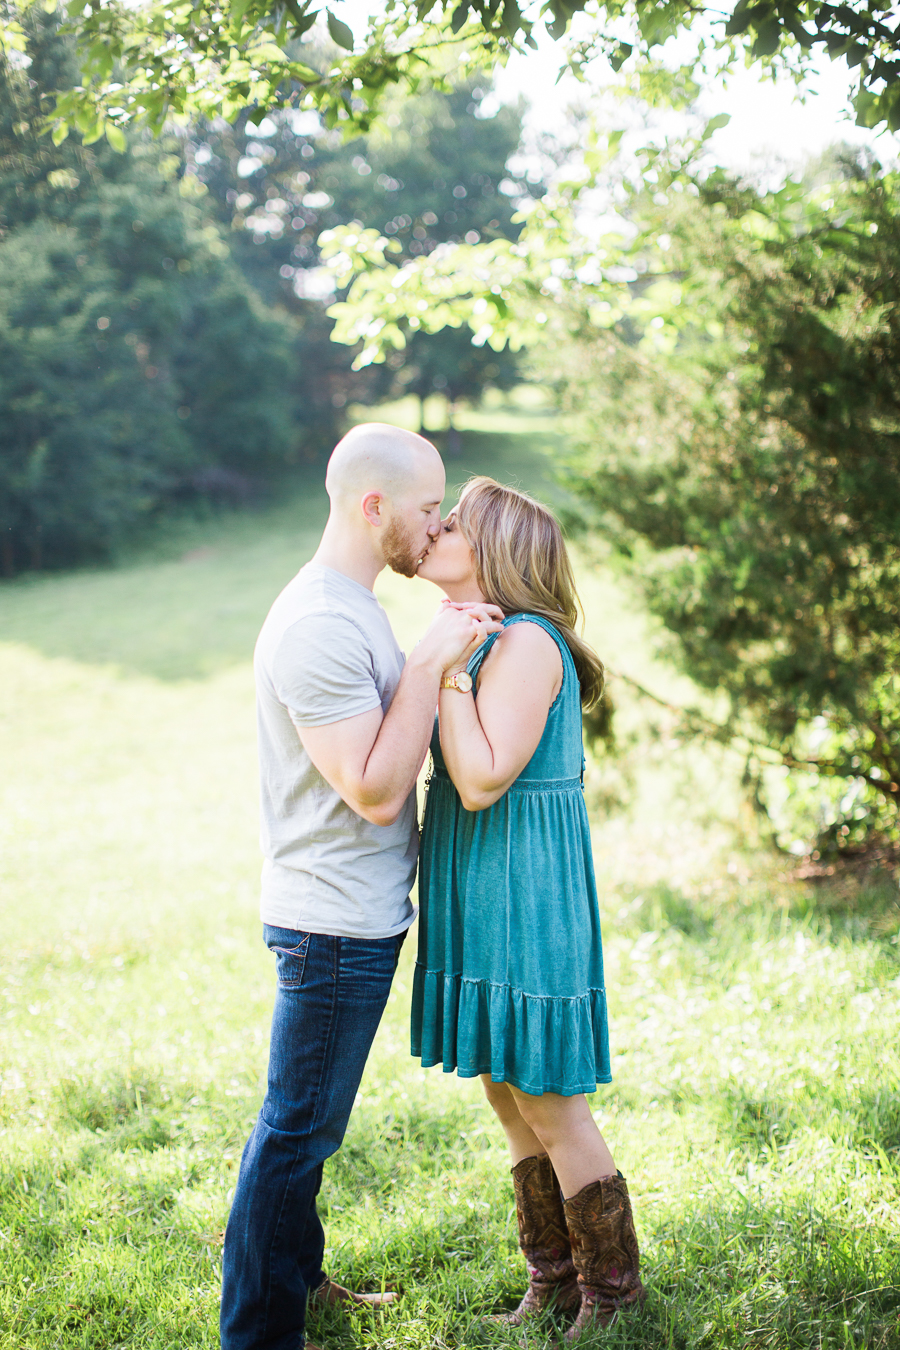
x=455, y=633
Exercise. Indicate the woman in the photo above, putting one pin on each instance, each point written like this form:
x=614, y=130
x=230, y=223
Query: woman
x=509, y=977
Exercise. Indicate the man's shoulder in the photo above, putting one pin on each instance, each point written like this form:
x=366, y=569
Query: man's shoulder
x=322, y=612
x=312, y=598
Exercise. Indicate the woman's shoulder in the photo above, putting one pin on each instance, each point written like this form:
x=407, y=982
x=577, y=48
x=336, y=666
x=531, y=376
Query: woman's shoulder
x=532, y=630
x=526, y=637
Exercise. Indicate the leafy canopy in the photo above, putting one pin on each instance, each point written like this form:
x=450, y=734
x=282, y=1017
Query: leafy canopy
x=432, y=171
x=208, y=57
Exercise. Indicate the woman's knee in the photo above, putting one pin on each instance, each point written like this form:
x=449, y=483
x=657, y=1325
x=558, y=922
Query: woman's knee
x=500, y=1097
x=549, y=1115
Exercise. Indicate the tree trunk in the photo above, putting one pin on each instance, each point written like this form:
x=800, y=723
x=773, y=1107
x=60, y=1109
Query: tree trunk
x=454, y=441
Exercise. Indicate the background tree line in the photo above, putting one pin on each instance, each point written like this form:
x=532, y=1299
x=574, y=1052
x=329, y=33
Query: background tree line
x=157, y=340
x=748, y=473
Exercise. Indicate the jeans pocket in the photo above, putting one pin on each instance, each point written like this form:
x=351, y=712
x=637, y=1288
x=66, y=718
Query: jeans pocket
x=289, y=963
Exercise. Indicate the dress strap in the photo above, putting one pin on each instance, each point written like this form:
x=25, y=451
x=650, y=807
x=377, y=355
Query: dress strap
x=474, y=664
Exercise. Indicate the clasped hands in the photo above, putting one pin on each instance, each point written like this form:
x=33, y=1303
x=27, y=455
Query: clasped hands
x=456, y=632
x=484, y=619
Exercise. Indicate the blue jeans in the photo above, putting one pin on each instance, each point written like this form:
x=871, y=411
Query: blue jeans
x=330, y=997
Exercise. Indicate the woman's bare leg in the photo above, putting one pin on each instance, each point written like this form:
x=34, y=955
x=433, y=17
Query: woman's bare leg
x=564, y=1128
x=522, y=1141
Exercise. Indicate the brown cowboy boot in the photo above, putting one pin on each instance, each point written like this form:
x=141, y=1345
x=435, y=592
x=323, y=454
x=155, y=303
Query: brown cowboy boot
x=605, y=1252
x=552, y=1280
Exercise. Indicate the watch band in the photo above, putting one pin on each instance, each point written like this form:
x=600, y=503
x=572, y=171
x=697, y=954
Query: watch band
x=461, y=681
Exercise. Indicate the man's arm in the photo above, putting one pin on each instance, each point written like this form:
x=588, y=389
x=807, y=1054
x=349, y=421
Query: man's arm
x=372, y=761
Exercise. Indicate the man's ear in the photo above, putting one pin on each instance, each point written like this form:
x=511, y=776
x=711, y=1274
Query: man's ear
x=372, y=507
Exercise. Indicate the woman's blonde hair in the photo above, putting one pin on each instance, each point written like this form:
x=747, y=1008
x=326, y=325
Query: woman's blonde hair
x=522, y=565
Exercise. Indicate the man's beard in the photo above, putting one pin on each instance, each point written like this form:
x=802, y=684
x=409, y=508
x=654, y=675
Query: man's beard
x=398, y=548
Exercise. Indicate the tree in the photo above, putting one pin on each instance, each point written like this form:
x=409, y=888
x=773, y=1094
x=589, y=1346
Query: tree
x=446, y=363
x=157, y=59
x=133, y=357
x=754, y=475
x=434, y=172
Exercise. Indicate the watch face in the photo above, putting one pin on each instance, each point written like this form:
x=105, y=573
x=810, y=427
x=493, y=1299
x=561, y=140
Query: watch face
x=464, y=681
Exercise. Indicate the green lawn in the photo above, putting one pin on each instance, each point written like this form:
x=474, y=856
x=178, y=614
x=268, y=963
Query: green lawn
x=756, y=1099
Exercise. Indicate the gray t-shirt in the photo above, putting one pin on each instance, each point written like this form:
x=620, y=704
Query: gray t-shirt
x=326, y=652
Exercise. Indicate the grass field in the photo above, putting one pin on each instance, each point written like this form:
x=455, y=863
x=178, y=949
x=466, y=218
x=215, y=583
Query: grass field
x=755, y=1106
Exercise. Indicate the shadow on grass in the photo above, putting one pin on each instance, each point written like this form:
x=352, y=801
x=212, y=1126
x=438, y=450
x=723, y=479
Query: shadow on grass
x=860, y=903
x=412, y=1141
x=863, y=907
x=145, y=1112
x=867, y=1119
x=779, y=1273
x=759, y=1125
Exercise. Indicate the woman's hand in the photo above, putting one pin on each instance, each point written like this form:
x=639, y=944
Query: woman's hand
x=479, y=609
x=455, y=634
x=488, y=619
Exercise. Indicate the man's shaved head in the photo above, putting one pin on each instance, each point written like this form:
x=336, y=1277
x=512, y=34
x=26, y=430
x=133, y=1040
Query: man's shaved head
x=376, y=457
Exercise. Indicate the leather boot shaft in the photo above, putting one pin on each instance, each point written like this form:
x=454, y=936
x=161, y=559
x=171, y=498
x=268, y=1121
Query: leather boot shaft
x=539, y=1206
x=604, y=1250
x=544, y=1239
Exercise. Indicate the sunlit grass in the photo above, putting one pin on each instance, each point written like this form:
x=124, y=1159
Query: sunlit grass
x=755, y=1106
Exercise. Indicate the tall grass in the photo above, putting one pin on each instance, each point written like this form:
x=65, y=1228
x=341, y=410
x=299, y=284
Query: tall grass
x=755, y=1106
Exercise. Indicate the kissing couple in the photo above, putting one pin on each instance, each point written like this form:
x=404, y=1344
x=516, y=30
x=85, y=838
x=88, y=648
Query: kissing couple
x=509, y=977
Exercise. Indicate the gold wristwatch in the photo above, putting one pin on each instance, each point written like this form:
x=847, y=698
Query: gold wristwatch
x=462, y=681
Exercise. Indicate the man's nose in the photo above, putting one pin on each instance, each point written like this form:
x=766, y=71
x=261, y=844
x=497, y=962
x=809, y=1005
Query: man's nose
x=434, y=529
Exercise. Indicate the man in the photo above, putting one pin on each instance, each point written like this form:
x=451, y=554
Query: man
x=344, y=727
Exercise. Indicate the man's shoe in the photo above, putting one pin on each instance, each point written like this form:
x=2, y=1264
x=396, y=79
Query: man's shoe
x=329, y=1294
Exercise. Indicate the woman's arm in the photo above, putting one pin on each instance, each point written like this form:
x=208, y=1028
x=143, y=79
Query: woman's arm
x=487, y=743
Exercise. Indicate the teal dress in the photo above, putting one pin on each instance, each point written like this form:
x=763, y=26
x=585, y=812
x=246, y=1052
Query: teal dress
x=509, y=975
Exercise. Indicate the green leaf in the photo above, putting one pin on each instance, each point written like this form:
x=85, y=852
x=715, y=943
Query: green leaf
x=768, y=38
x=714, y=123
x=657, y=24
x=305, y=22
x=620, y=55
x=741, y=19
x=340, y=33
x=59, y=133
x=460, y=14
x=116, y=137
